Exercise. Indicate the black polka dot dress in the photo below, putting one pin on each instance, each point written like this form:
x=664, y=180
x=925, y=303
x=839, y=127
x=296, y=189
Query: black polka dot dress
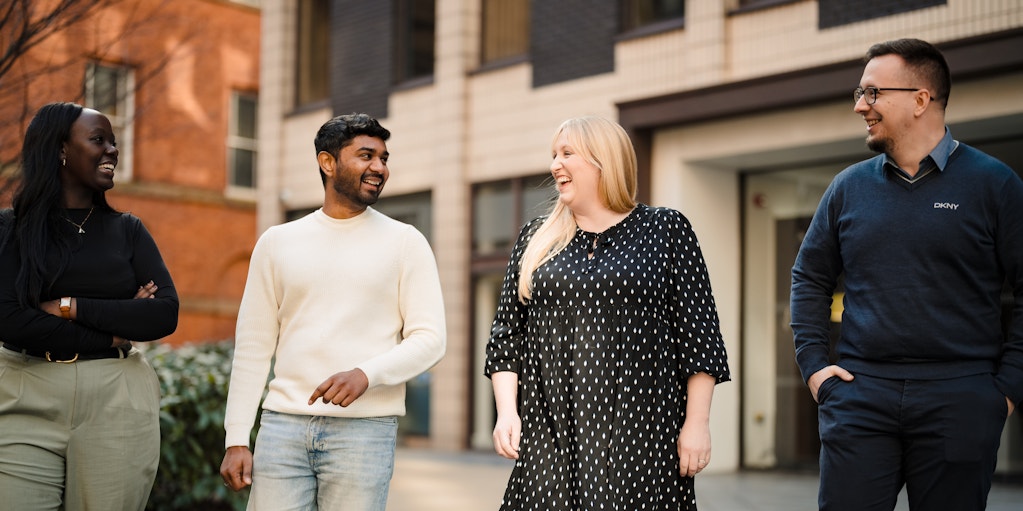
x=602, y=352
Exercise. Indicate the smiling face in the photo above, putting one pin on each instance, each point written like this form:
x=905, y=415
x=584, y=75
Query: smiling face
x=891, y=116
x=90, y=154
x=576, y=178
x=358, y=174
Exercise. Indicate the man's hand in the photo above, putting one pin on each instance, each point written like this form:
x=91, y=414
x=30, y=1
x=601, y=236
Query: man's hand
x=818, y=378
x=342, y=389
x=236, y=470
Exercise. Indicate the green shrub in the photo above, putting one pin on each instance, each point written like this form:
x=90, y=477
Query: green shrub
x=193, y=385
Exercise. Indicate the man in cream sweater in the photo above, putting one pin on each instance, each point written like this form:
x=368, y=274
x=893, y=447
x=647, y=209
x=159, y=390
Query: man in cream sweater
x=346, y=304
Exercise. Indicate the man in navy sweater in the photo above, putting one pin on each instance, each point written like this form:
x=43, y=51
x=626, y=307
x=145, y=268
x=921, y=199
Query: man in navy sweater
x=925, y=236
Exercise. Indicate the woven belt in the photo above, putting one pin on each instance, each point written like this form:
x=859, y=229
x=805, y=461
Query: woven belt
x=75, y=357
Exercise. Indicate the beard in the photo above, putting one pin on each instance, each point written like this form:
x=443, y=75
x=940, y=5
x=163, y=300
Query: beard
x=351, y=188
x=879, y=144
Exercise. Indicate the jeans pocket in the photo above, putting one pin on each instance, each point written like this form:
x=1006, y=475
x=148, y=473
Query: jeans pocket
x=826, y=388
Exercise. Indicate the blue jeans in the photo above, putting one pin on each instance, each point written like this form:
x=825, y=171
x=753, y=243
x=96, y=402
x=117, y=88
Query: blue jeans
x=304, y=462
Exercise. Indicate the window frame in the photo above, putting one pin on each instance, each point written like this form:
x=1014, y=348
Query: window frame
x=406, y=46
x=629, y=27
x=487, y=24
x=312, y=53
x=236, y=141
x=123, y=116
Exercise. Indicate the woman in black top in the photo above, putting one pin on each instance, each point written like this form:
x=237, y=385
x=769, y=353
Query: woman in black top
x=78, y=282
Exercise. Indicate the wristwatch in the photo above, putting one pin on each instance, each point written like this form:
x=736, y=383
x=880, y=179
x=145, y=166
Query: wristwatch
x=65, y=307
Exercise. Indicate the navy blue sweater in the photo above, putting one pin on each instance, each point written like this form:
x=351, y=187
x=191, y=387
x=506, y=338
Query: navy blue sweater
x=924, y=265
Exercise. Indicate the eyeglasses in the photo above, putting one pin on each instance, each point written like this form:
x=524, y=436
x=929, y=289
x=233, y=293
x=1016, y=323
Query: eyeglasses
x=871, y=93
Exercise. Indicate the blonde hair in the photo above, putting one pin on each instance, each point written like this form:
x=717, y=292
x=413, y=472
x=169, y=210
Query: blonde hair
x=606, y=146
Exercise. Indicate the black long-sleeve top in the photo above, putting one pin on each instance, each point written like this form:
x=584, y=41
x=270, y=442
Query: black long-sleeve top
x=109, y=262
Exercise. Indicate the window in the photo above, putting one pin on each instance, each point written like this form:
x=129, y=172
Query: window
x=110, y=90
x=640, y=13
x=414, y=35
x=413, y=209
x=241, y=142
x=501, y=208
x=505, y=29
x=313, y=78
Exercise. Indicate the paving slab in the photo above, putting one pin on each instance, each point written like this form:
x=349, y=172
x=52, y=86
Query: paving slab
x=426, y=480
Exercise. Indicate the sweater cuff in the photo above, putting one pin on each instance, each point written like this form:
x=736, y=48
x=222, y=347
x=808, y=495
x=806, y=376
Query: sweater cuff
x=811, y=360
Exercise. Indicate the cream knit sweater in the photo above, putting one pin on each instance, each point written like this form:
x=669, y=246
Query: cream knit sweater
x=325, y=295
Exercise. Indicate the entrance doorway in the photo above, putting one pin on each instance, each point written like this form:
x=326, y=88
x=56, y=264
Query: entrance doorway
x=780, y=417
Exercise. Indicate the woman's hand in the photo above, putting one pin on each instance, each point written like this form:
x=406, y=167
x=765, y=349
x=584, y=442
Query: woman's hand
x=694, y=447
x=507, y=433
x=120, y=342
x=147, y=290
x=52, y=307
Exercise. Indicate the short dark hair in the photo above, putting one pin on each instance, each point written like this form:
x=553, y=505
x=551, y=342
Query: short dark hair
x=923, y=59
x=338, y=132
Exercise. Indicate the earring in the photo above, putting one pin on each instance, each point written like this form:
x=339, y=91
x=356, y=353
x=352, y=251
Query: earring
x=63, y=161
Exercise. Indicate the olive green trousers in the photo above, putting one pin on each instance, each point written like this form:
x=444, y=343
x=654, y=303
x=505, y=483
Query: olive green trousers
x=79, y=436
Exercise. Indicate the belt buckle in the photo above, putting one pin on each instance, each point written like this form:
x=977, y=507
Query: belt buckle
x=69, y=361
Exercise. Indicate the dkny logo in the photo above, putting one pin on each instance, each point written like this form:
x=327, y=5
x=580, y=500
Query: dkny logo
x=946, y=205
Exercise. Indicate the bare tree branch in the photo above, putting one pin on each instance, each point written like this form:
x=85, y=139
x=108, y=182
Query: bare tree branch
x=25, y=24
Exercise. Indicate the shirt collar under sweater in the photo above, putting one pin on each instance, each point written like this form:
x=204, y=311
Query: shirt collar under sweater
x=936, y=159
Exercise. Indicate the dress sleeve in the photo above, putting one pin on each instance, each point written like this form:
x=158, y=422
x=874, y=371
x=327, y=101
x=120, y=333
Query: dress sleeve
x=508, y=331
x=137, y=320
x=701, y=347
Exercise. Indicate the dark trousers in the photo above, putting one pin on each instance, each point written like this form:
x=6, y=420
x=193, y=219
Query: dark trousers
x=939, y=438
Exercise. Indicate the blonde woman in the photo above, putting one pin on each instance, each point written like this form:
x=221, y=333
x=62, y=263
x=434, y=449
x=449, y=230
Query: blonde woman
x=605, y=348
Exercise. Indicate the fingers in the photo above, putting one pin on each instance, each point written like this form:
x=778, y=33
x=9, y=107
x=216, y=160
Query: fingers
x=843, y=374
x=693, y=464
x=341, y=389
x=507, y=435
x=236, y=469
x=506, y=444
x=147, y=290
x=320, y=391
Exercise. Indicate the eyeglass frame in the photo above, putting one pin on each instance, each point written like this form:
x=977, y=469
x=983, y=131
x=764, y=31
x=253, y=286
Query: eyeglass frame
x=860, y=92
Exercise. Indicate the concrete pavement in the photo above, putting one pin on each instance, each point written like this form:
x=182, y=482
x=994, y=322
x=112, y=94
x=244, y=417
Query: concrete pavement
x=474, y=481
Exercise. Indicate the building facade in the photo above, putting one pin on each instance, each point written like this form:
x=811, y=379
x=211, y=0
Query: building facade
x=741, y=112
x=179, y=81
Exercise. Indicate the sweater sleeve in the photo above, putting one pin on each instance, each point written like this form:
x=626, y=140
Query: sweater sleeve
x=137, y=320
x=421, y=305
x=814, y=279
x=256, y=337
x=1009, y=246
